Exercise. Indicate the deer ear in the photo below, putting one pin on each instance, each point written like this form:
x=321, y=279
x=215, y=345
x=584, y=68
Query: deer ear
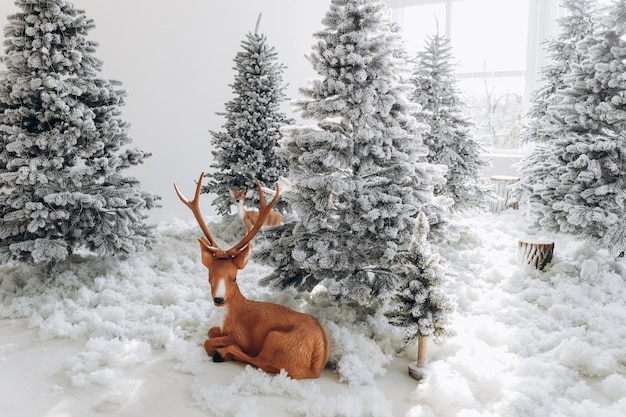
x=232, y=193
x=241, y=260
x=207, y=255
x=248, y=193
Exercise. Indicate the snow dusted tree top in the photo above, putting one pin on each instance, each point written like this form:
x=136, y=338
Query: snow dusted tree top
x=63, y=138
x=449, y=140
x=356, y=179
x=598, y=78
x=575, y=25
x=245, y=150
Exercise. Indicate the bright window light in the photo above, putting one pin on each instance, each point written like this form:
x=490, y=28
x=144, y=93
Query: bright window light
x=490, y=44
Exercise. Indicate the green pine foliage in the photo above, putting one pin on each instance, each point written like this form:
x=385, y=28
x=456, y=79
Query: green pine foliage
x=64, y=143
x=358, y=175
x=245, y=150
x=449, y=139
x=420, y=305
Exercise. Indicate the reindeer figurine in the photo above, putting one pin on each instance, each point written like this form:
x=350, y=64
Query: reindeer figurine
x=250, y=217
x=268, y=336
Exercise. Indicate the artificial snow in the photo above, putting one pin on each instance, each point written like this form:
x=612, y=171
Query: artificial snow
x=124, y=336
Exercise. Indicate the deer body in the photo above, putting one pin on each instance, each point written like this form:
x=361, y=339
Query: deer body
x=266, y=335
x=250, y=217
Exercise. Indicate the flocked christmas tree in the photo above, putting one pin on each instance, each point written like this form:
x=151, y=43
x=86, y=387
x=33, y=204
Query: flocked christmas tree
x=538, y=128
x=420, y=305
x=62, y=155
x=449, y=140
x=355, y=181
x=574, y=26
x=245, y=150
x=585, y=191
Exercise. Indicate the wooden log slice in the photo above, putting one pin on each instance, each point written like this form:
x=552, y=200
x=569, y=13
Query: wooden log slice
x=503, y=200
x=416, y=372
x=536, y=253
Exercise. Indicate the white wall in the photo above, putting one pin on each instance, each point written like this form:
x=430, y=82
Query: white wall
x=175, y=60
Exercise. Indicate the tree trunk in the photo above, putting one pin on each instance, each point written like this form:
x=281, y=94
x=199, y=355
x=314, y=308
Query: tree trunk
x=503, y=200
x=535, y=253
x=416, y=369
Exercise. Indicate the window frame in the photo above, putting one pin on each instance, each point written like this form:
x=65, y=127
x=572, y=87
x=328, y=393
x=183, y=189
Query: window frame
x=542, y=25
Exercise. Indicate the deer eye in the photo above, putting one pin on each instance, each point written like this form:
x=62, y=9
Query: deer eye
x=234, y=279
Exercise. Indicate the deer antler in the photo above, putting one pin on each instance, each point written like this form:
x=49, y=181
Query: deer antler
x=194, y=206
x=264, y=211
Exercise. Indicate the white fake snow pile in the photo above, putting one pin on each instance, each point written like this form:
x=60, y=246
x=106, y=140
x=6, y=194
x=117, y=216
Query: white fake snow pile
x=124, y=337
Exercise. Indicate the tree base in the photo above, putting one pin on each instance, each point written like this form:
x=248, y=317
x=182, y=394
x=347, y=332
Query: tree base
x=535, y=253
x=503, y=199
x=416, y=371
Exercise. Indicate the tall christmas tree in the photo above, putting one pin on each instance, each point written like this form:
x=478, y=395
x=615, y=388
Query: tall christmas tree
x=245, y=150
x=356, y=180
x=538, y=128
x=449, y=140
x=62, y=156
x=585, y=192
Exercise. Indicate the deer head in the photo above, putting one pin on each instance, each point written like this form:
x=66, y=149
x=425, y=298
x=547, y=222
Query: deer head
x=240, y=195
x=223, y=265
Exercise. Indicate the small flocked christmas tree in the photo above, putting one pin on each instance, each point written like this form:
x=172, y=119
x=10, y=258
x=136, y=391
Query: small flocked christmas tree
x=356, y=182
x=584, y=192
x=245, y=150
x=62, y=156
x=420, y=304
x=449, y=140
x=538, y=128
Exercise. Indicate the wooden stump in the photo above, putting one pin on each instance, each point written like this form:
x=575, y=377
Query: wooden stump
x=535, y=253
x=503, y=200
x=416, y=369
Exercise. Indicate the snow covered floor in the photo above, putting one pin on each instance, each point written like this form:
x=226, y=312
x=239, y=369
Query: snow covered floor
x=124, y=337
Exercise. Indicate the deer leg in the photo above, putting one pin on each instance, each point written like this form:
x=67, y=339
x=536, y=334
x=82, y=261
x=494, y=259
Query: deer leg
x=280, y=351
x=210, y=345
x=234, y=353
x=215, y=332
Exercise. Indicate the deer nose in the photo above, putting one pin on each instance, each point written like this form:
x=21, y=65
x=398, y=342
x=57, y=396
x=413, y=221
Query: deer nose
x=218, y=301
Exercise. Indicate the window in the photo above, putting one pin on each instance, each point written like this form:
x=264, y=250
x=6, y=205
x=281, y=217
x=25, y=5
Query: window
x=497, y=45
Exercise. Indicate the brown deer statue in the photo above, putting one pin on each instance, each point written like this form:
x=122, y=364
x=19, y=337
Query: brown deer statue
x=268, y=336
x=250, y=217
